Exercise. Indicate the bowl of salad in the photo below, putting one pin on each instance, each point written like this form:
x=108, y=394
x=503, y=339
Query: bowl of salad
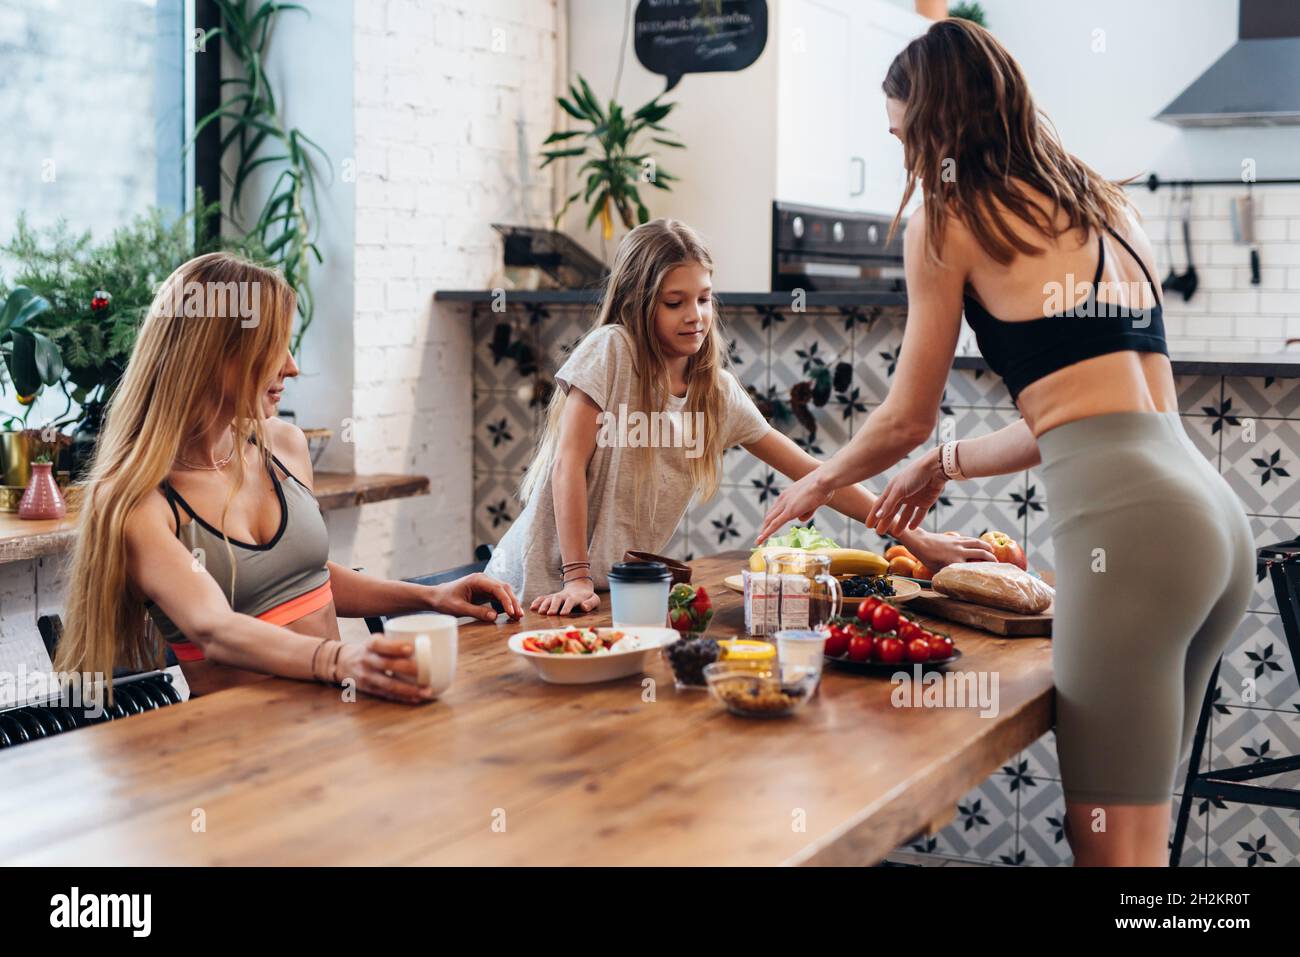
x=579, y=656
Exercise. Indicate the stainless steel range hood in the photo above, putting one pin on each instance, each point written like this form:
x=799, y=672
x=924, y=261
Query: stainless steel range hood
x=1257, y=82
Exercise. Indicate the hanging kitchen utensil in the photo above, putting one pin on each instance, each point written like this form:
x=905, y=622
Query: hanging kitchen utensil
x=1186, y=283
x=1170, y=282
x=1242, y=211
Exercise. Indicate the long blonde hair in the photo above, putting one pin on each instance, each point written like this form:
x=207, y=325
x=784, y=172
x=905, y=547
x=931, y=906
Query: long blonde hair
x=644, y=259
x=172, y=391
x=971, y=127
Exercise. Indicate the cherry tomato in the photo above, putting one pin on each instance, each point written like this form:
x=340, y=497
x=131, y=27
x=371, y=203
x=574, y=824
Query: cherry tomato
x=837, y=641
x=907, y=630
x=889, y=650
x=884, y=618
x=867, y=608
x=940, y=647
x=859, y=648
x=918, y=650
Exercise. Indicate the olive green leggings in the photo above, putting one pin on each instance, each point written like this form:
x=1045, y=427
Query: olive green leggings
x=1154, y=568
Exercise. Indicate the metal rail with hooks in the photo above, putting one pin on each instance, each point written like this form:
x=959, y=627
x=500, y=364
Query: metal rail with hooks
x=1154, y=182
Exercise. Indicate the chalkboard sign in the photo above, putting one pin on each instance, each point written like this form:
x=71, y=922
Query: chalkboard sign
x=676, y=37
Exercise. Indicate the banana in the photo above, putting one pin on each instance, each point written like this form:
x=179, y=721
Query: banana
x=844, y=561
x=757, y=560
x=854, y=561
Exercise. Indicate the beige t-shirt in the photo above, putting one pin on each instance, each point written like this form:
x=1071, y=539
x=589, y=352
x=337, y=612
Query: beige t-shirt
x=528, y=556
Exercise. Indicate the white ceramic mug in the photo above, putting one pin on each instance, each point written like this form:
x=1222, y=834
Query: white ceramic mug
x=435, y=640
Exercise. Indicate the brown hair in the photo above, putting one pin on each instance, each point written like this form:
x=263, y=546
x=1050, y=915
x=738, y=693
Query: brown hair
x=970, y=129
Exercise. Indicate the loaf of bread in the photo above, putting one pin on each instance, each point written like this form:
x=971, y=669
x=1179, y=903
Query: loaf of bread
x=997, y=584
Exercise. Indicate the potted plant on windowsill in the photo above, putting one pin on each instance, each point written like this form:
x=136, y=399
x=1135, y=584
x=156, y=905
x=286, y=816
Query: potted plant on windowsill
x=32, y=362
x=93, y=296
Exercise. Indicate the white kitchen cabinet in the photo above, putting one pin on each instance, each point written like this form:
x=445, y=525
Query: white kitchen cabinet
x=834, y=147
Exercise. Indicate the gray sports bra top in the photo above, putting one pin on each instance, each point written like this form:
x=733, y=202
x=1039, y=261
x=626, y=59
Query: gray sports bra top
x=280, y=581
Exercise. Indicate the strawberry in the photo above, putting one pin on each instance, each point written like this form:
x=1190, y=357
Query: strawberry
x=701, y=602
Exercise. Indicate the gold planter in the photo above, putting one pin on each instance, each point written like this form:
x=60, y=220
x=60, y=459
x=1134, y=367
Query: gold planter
x=10, y=496
x=17, y=449
x=16, y=452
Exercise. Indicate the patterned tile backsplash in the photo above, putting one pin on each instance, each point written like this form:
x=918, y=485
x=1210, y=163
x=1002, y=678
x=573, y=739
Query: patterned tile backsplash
x=1248, y=428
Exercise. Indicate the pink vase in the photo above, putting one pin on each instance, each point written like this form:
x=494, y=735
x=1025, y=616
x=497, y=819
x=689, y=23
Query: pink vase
x=42, y=498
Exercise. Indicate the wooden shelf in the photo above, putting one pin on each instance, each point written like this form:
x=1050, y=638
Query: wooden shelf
x=346, y=489
x=21, y=539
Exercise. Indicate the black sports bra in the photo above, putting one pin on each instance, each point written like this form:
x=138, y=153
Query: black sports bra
x=1024, y=352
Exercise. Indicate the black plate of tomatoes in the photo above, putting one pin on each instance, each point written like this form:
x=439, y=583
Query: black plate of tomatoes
x=879, y=639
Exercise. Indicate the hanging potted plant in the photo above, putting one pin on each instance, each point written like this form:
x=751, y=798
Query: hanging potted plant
x=616, y=166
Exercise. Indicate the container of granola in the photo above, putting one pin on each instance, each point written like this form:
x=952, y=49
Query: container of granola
x=760, y=690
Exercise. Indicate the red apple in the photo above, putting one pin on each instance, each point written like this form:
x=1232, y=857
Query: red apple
x=1005, y=548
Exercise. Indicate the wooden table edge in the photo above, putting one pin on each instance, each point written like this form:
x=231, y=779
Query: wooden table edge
x=862, y=839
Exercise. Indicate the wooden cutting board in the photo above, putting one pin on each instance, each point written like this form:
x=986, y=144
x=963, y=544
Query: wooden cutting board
x=1009, y=623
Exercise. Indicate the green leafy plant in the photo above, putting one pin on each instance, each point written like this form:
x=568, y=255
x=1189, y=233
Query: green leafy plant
x=614, y=168
x=285, y=225
x=95, y=295
x=31, y=357
x=969, y=10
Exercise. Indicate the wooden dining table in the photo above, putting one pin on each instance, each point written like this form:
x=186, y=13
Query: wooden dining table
x=506, y=769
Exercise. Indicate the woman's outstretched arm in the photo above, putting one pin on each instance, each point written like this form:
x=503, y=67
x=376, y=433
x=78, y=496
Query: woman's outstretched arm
x=908, y=496
x=935, y=551
x=907, y=416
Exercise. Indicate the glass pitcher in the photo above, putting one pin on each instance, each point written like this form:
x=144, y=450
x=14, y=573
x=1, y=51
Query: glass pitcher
x=800, y=591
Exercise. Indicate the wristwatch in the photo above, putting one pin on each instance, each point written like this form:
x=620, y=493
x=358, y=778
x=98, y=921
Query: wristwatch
x=948, y=462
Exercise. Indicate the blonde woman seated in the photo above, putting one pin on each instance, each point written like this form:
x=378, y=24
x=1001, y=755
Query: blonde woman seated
x=199, y=511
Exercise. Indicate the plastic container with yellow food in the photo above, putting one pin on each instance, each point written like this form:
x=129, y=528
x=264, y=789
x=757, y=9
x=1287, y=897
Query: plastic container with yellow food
x=744, y=649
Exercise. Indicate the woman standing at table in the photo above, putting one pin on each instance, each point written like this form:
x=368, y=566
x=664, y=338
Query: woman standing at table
x=199, y=510
x=1138, y=516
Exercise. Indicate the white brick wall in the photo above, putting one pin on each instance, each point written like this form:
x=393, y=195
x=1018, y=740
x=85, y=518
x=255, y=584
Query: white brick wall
x=1228, y=314
x=445, y=92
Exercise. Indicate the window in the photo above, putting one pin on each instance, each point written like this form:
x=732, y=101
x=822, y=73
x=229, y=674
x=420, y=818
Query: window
x=96, y=105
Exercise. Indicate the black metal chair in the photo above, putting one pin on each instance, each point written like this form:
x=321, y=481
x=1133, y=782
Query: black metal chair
x=51, y=629
x=375, y=624
x=134, y=692
x=1282, y=561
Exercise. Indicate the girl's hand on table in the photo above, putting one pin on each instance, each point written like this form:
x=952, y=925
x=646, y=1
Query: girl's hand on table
x=798, y=502
x=936, y=551
x=374, y=665
x=908, y=496
x=575, y=596
x=458, y=597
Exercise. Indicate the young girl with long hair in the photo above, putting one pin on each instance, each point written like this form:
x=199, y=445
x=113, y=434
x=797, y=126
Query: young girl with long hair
x=592, y=493
x=199, y=512
x=1154, y=555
